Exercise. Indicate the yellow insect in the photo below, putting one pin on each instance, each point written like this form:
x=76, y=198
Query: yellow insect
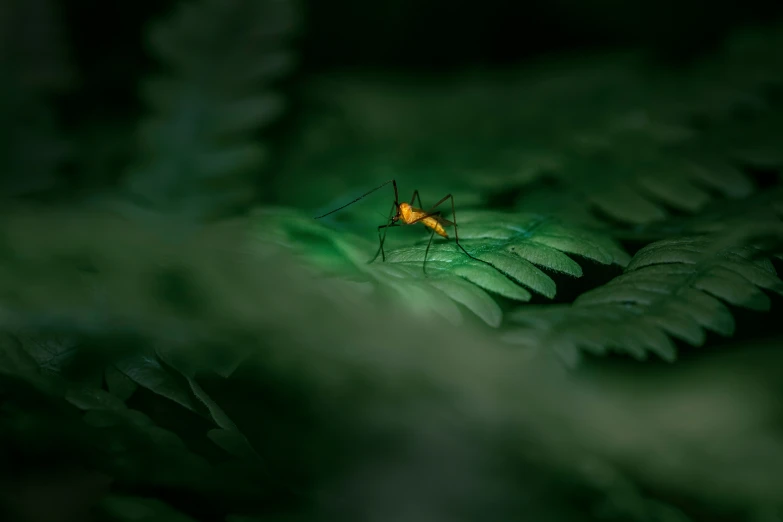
x=406, y=214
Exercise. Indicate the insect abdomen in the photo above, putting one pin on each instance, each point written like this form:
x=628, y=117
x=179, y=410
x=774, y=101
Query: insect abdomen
x=431, y=222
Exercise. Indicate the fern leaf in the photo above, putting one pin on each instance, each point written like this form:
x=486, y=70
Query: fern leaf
x=147, y=371
x=757, y=143
x=119, y=384
x=227, y=435
x=673, y=288
x=199, y=149
x=345, y=256
x=515, y=244
x=599, y=141
x=513, y=250
x=633, y=182
x=33, y=68
x=137, y=443
x=16, y=361
x=727, y=219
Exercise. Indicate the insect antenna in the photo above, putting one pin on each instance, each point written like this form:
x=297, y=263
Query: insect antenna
x=396, y=199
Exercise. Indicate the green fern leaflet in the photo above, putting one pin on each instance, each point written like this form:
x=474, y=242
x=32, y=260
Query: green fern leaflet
x=513, y=249
x=673, y=288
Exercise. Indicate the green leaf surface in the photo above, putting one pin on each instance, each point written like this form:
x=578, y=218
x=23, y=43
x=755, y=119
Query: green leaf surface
x=147, y=371
x=16, y=361
x=517, y=245
x=672, y=288
x=512, y=250
x=228, y=436
x=52, y=353
x=119, y=384
x=93, y=399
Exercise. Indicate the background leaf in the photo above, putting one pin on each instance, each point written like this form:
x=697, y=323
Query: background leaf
x=198, y=154
x=600, y=140
x=147, y=371
x=33, y=70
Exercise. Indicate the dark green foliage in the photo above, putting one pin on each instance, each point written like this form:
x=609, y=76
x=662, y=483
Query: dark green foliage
x=159, y=367
x=32, y=71
x=670, y=288
x=134, y=509
x=199, y=148
x=315, y=371
x=603, y=141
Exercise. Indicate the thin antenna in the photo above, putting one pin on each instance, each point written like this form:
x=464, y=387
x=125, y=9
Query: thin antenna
x=364, y=195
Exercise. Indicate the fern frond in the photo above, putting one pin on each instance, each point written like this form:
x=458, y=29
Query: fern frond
x=468, y=135
x=15, y=360
x=754, y=141
x=146, y=371
x=761, y=210
x=137, y=442
x=605, y=140
x=673, y=288
x=345, y=256
x=33, y=68
x=119, y=384
x=512, y=248
x=515, y=244
x=200, y=152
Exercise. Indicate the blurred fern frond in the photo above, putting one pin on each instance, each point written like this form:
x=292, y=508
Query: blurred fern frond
x=136, y=435
x=601, y=141
x=672, y=288
x=762, y=209
x=33, y=68
x=200, y=148
x=753, y=141
x=346, y=367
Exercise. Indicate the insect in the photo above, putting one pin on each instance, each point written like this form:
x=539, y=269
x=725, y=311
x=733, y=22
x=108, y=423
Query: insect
x=406, y=214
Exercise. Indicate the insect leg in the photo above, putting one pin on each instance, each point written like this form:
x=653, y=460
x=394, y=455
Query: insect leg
x=424, y=265
x=381, y=240
x=416, y=196
x=454, y=216
x=428, y=214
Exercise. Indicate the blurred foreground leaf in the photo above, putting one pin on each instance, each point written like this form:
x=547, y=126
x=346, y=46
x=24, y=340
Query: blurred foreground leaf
x=138, y=509
x=364, y=423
